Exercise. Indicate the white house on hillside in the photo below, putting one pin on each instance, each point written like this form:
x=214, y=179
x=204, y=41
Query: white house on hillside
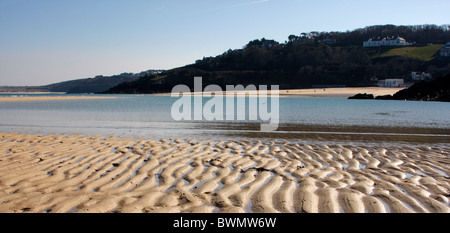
x=445, y=51
x=390, y=41
x=419, y=76
x=391, y=83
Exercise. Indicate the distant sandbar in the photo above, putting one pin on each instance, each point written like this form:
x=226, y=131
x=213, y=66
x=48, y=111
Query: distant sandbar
x=338, y=92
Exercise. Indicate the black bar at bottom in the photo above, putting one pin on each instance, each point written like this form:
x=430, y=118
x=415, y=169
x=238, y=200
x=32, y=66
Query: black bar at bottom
x=225, y=222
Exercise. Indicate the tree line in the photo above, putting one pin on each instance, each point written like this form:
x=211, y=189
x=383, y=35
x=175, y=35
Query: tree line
x=304, y=60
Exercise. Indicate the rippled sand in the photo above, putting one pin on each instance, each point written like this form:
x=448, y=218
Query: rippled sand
x=74, y=173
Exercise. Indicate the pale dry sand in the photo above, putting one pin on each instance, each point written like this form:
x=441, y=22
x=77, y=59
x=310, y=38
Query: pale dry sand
x=44, y=98
x=341, y=92
x=75, y=173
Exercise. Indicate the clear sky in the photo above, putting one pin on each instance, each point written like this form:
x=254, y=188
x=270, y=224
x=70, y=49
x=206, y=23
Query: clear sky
x=47, y=41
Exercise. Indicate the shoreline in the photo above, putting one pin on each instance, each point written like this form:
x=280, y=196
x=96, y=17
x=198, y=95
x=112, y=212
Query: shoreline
x=338, y=92
x=96, y=174
x=343, y=92
x=356, y=134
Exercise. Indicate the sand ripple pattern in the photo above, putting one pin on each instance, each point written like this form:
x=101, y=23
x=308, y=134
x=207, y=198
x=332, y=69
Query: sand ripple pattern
x=74, y=173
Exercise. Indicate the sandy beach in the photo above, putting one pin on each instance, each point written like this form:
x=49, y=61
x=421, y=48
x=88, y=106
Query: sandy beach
x=44, y=98
x=77, y=173
x=341, y=92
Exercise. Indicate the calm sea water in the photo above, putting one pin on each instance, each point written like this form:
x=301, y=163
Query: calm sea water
x=150, y=116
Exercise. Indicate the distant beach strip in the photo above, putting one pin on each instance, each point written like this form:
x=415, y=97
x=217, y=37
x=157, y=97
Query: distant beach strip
x=341, y=92
x=331, y=92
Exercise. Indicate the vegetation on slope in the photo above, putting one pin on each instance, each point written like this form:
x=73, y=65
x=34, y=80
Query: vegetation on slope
x=87, y=85
x=425, y=53
x=309, y=59
x=434, y=90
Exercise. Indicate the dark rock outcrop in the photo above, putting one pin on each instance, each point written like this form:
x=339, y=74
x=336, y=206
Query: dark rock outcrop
x=360, y=96
x=433, y=90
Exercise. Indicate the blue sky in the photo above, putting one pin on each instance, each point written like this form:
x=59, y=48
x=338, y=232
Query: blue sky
x=46, y=41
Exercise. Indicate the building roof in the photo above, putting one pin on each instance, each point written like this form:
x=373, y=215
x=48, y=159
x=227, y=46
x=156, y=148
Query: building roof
x=388, y=38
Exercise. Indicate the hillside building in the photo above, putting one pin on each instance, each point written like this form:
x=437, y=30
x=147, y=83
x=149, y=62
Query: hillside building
x=389, y=41
x=391, y=83
x=329, y=40
x=420, y=76
x=445, y=51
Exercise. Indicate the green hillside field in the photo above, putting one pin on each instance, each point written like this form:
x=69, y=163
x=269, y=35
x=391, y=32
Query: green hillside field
x=425, y=53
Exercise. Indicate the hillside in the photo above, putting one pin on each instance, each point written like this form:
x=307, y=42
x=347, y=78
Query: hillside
x=87, y=85
x=431, y=90
x=434, y=90
x=311, y=59
x=425, y=53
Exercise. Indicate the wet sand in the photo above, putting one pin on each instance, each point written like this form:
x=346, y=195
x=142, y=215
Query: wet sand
x=77, y=173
